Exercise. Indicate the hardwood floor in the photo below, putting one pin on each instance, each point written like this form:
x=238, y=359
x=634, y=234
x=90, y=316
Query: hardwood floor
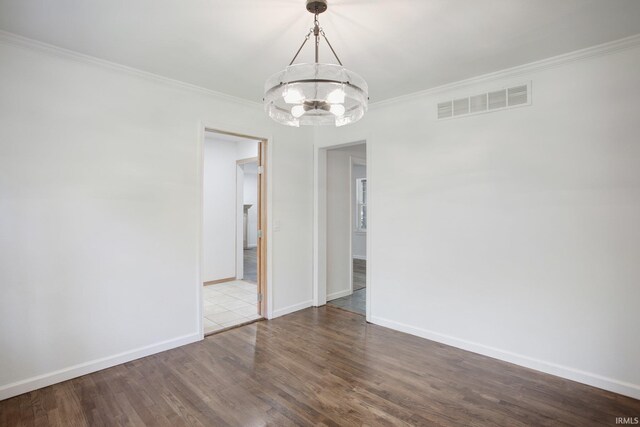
x=320, y=366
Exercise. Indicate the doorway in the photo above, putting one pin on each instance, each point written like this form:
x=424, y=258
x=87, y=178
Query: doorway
x=247, y=185
x=346, y=228
x=234, y=217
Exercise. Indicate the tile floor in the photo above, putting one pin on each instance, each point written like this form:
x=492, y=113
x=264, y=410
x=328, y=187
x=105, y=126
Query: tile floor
x=250, y=265
x=356, y=302
x=228, y=304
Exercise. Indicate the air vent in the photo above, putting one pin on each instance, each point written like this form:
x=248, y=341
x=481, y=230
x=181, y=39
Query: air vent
x=517, y=95
x=478, y=103
x=490, y=101
x=460, y=106
x=497, y=99
x=445, y=109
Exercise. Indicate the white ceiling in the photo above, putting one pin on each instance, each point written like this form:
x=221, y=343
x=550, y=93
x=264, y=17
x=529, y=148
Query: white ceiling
x=398, y=46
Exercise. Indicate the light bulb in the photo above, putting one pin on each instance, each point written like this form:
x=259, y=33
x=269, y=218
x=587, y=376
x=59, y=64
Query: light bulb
x=336, y=96
x=292, y=96
x=341, y=121
x=337, y=109
x=297, y=111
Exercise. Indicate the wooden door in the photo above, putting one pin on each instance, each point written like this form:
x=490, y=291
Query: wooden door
x=262, y=229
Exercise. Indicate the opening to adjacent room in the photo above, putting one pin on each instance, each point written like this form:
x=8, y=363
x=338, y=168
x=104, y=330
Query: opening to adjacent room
x=233, y=250
x=346, y=225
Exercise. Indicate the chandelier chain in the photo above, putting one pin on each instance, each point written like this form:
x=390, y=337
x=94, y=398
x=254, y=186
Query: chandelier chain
x=301, y=46
x=317, y=31
x=330, y=47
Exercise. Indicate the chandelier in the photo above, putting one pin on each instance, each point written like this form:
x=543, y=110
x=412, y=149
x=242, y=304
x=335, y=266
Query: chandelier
x=317, y=93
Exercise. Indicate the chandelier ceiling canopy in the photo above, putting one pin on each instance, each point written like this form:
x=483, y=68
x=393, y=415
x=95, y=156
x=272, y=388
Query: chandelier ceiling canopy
x=316, y=93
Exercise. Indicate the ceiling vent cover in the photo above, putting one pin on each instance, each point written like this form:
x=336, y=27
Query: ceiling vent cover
x=501, y=99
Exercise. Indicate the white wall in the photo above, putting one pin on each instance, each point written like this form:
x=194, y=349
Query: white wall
x=339, y=203
x=100, y=212
x=250, y=197
x=359, y=239
x=515, y=233
x=219, y=207
x=246, y=149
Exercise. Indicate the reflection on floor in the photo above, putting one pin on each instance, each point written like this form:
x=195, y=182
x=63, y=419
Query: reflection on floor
x=250, y=265
x=355, y=302
x=359, y=274
x=229, y=304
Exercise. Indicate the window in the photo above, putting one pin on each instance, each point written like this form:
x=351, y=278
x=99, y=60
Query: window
x=361, y=204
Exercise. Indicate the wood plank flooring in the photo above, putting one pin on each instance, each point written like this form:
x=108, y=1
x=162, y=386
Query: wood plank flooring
x=320, y=366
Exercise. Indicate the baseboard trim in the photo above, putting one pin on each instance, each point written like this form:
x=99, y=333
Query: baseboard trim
x=215, y=282
x=339, y=294
x=290, y=309
x=362, y=257
x=34, y=383
x=595, y=380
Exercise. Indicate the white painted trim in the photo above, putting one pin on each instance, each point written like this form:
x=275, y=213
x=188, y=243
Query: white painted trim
x=17, y=40
x=555, y=61
x=200, y=250
x=352, y=230
x=75, y=371
x=268, y=175
x=595, y=380
x=339, y=294
x=370, y=228
x=291, y=309
x=364, y=258
x=532, y=67
x=351, y=227
x=239, y=205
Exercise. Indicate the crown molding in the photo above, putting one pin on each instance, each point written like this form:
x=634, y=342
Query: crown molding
x=517, y=71
x=17, y=40
x=552, y=62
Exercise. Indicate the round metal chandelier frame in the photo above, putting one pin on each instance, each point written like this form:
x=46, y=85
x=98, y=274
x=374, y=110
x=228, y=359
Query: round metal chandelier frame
x=316, y=93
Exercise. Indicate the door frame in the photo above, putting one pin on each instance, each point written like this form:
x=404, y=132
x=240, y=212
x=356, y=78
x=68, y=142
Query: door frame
x=320, y=222
x=265, y=270
x=353, y=161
